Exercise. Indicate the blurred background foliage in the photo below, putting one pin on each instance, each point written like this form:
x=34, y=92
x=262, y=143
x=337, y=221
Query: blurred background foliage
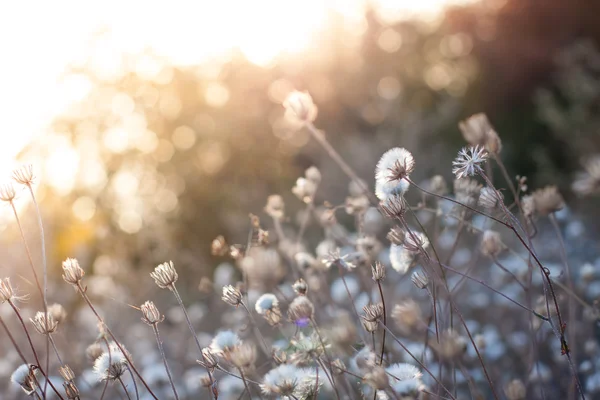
x=158, y=158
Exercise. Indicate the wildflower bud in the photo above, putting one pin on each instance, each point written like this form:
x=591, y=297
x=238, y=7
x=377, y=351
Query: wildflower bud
x=515, y=390
x=301, y=310
x=377, y=378
x=93, y=351
x=489, y=198
x=373, y=312
x=24, y=175
x=43, y=323
x=396, y=235
x=299, y=106
x=72, y=272
x=151, y=315
x=548, y=200
x=313, y=174
x=67, y=373
x=165, y=275
x=378, y=271
x=231, y=296
x=419, y=279
x=7, y=192
x=26, y=377
x=219, y=247
x=58, y=313
x=209, y=360
x=243, y=356
x=491, y=244
x=300, y=287
x=71, y=390
x=6, y=290
x=438, y=185
x=275, y=207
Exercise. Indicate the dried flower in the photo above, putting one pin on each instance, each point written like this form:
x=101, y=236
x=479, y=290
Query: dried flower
x=111, y=365
x=275, y=207
x=165, y=275
x=408, y=317
x=377, y=378
x=489, y=198
x=373, y=312
x=151, y=315
x=420, y=279
x=24, y=175
x=7, y=192
x=378, y=271
x=588, y=182
x=336, y=259
x=266, y=302
x=300, y=287
x=548, y=200
x=43, y=323
x=477, y=130
x=72, y=272
x=415, y=241
x=392, y=172
x=467, y=191
x=301, y=311
x=243, y=356
x=405, y=380
x=400, y=258
x=299, y=107
x=451, y=344
x=209, y=359
x=231, y=296
x=71, y=390
x=396, y=235
x=393, y=206
x=224, y=342
x=67, y=373
x=26, y=377
x=468, y=162
x=491, y=244
x=7, y=292
x=285, y=381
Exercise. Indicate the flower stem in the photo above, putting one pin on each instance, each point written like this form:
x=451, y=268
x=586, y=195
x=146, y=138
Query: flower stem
x=162, y=353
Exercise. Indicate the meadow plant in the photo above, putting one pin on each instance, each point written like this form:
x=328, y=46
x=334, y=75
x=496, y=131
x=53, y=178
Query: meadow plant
x=428, y=294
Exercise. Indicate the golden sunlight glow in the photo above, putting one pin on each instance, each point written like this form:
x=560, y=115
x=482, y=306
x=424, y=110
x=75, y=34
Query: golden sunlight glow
x=41, y=39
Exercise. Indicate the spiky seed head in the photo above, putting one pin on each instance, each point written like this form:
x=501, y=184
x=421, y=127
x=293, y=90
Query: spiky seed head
x=231, y=295
x=7, y=192
x=394, y=206
x=67, y=373
x=378, y=271
x=150, y=314
x=468, y=162
x=420, y=279
x=165, y=275
x=373, y=312
x=394, y=167
x=6, y=290
x=209, y=359
x=299, y=107
x=24, y=175
x=43, y=323
x=72, y=272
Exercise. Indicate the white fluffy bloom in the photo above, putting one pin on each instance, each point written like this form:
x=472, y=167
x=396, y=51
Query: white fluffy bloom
x=288, y=381
x=400, y=258
x=111, y=364
x=25, y=378
x=266, y=302
x=224, y=341
x=405, y=379
x=394, y=166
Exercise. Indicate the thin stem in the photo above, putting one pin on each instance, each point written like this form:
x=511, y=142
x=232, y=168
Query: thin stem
x=56, y=351
x=13, y=341
x=193, y=331
x=263, y=345
x=129, y=361
x=162, y=353
x=316, y=328
x=384, y=321
x=109, y=363
x=137, y=394
x=245, y=383
x=124, y=387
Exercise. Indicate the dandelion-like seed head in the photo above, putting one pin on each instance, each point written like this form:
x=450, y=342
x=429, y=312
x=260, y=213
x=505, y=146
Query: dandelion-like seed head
x=299, y=107
x=24, y=175
x=266, y=302
x=468, y=162
x=224, y=342
x=7, y=192
x=243, y=356
x=408, y=317
x=165, y=275
x=415, y=241
x=150, y=314
x=25, y=376
x=111, y=364
x=72, y=272
x=93, y=351
x=6, y=290
x=44, y=323
x=400, y=258
x=58, y=313
x=394, y=166
x=282, y=381
x=405, y=379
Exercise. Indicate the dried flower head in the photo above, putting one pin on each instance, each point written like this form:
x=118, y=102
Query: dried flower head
x=93, y=351
x=408, y=317
x=67, y=373
x=266, y=302
x=299, y=107
x=285, y=381
x=275, y=207
x=588, y=182
x=415, y=241
x=301, y=311
x=335, y=259
x=209, y=359
x=420, y=279
x=548, y=200
x=378, y=271
x=165, y=275
x=111, y=365
x=392, y=171
x=373, y=312
x=72, y=272
x=7, y=192
x=43, y=323
x=377, y=378
x=300, y=287
x=224, y=342
x=370, y=326
x=7, y=292
x=400, y=258
x=490, y=198
x=243, y=356
x=231, y=295
x=71, y=390
x=468, y=162
x=58, y=313
x=150, y=314
x=477, y=130
x=467, y=191
x=24, y=175
x=394, y=206
x=405, y=380
x=25, y=376
x=491, y=244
